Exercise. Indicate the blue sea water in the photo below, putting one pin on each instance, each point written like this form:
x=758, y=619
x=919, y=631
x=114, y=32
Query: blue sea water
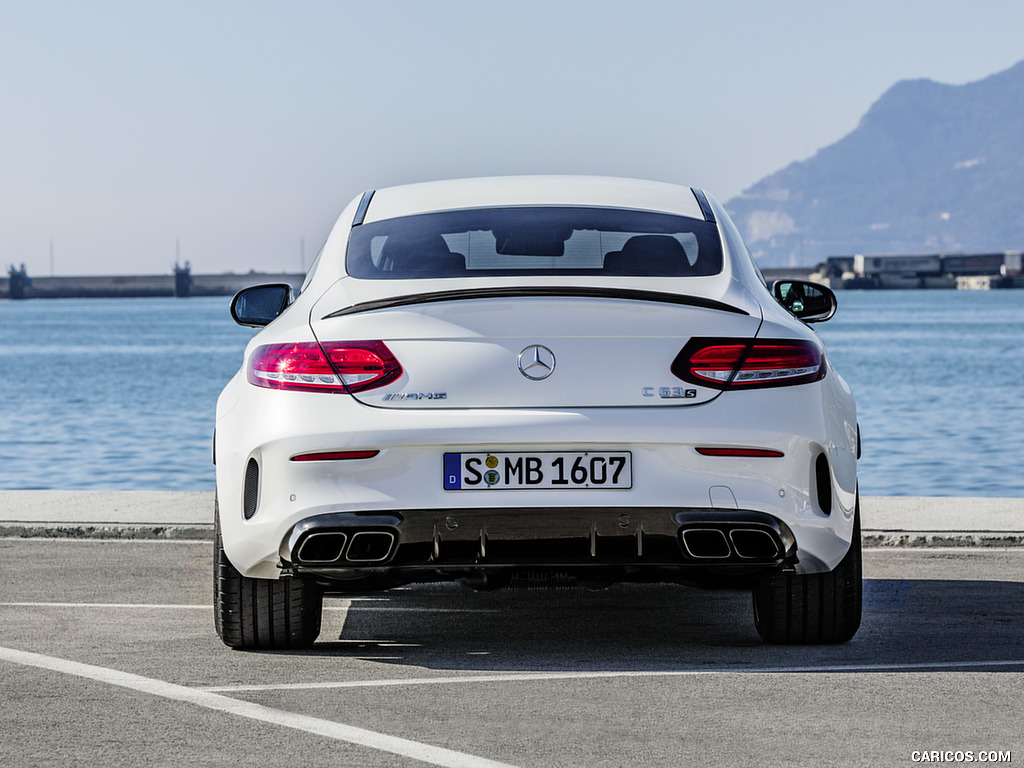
x=939, y=381
x=120, y=393
x=113, y=393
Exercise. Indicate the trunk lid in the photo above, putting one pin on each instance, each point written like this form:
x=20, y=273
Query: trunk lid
x=534, y=347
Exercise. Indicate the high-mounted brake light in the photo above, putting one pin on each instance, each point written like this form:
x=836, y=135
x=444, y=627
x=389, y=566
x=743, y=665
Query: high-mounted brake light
x=742, y=364
x=336, y=366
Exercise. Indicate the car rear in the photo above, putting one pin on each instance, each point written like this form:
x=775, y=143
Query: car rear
x=537, y=394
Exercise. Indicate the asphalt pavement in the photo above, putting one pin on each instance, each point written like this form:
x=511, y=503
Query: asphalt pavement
x=108, y=656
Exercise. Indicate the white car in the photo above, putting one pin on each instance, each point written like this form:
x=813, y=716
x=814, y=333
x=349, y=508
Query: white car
x=535, y=381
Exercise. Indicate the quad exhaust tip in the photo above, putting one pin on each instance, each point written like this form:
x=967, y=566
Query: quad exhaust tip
x=754, y=543
x=336, y=547
x=706, y=543
x=322, y=548
x=722, y=544
x=370, y=546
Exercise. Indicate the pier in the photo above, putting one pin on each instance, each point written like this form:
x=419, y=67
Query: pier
x=180, y=283
x=983, y=271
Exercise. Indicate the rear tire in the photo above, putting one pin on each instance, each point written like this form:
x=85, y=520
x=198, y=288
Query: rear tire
x=262, y=614
x=815, y=608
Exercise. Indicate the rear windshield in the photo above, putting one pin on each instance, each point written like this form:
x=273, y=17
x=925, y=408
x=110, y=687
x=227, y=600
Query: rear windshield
x=534, y=241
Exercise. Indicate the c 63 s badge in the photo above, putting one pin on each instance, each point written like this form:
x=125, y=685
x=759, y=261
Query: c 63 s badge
x=669, y=393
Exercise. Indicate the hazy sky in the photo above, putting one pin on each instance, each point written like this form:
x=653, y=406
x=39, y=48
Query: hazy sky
x=243, y=128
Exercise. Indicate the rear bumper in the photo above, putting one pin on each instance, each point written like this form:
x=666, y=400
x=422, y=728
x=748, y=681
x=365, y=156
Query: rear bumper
x=402, y=484
x=597, y=543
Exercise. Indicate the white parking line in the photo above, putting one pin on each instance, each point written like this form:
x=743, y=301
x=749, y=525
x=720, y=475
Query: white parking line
x=521, y=677
x=353, y=607
x=161, y=606
x=328, y=728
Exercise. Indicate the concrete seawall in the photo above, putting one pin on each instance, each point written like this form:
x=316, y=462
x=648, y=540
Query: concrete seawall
x=887, y=521
x=143, y=286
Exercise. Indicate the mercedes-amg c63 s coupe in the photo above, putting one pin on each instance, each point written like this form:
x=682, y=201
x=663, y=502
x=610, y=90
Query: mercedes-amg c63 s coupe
x=533, y=381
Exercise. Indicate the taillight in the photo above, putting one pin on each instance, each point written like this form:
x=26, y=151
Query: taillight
x=363, y=364
x=743, y=364
x=336, y=366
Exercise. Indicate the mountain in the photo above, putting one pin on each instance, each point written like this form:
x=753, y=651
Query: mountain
x=930, y=168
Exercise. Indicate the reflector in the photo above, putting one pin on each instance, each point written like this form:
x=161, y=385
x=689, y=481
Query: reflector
x=335, y=455
x=750, y=453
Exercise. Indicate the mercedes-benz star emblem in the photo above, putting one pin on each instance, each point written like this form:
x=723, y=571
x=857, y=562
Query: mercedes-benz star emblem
x=536, y=362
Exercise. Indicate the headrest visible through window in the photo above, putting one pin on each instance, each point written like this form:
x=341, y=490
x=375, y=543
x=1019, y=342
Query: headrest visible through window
x=422, y=257
x=649, y=255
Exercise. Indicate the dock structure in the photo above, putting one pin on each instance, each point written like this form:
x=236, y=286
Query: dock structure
x=182, y=280
x=17, y=281
x=978, y=271
x=181, y=283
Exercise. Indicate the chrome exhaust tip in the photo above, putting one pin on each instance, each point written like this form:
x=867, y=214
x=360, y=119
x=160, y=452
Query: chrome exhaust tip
x=322, y=548
x=754, y=544
x=370, y=547
x=706, y=543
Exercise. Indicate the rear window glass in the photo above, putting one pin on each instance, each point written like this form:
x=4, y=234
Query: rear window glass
x=534, y=241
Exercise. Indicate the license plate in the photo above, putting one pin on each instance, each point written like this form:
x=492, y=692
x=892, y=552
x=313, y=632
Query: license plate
x=542, y=470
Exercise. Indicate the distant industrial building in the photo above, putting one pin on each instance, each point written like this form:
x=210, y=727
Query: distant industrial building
x=950, y=271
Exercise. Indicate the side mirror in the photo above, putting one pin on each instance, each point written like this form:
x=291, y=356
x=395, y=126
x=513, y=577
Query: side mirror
x=260, y=305
x=811, y=302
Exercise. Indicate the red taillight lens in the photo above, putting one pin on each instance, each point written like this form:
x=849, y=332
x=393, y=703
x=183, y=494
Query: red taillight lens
x=736, y=364
x=363, y=364
x=779, y=364
x=337, y=366
x=713, y=365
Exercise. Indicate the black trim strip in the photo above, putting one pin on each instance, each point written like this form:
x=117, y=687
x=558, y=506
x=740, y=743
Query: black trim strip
x=538, y=291
x=361, y=210
x=705, y=206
